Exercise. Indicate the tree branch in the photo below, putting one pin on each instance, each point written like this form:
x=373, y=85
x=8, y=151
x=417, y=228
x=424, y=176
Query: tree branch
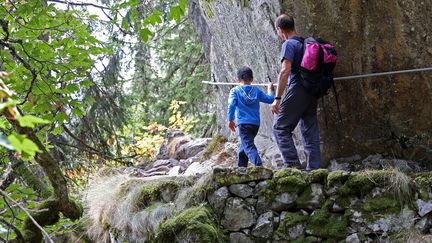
x=80, y=4
x=13, y=52
x=47, y=237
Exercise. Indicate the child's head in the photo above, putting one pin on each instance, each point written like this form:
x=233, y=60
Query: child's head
x=245, y=75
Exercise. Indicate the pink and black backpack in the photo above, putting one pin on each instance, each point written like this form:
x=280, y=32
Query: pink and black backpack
x=318, y=62
x=316, y=69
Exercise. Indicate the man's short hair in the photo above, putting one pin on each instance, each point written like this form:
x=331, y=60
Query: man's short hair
x=245, y=74
x=285, y=22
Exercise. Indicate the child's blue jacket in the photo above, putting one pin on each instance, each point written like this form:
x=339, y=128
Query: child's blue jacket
x=244, y=102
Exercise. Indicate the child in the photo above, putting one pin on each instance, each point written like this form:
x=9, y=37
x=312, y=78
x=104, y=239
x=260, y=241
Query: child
x=245, y=101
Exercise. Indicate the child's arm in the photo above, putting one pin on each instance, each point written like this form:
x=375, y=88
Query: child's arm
x=267, y=98
x=232, y=103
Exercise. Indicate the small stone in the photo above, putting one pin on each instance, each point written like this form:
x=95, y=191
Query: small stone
x=424, y=225
x=174, y=171
x=238, y=237
x=252, y=184
x=352, y=238
x=251, y=201
x=264, y=226
x=304, y=212
x=261, y=186
x=241, y=190
x=237, y=215
x=296, y=231
x=217, y=198
x=424, y=207
x=336, y=208
x=283, y=202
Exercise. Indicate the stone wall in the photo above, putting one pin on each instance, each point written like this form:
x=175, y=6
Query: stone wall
x=260, y=205
x=391, y=114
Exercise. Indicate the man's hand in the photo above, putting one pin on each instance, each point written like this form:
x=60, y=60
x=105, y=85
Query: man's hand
x=275, y=107
x=231, y=125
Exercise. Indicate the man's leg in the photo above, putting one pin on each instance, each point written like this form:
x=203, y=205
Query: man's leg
x=248, y=133
x=292, y=107
x=310, y=136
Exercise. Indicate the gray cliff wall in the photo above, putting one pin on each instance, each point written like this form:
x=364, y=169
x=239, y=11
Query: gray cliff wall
x=391, y=114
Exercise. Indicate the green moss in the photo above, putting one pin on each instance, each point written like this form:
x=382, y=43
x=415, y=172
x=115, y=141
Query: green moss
x=216, y=145
x=336, y=177
x=46, y=213
x=358, y=183
x=152, y=192
x=382, y=205
x=317, y=176
x=197, y=221
x=290, y=220
x=423, y=179
x=304, y=199
x=289, y=180
x=309, y=239
x=326, y=225
x=423, y=182
x=230, y=176
x=342, y=201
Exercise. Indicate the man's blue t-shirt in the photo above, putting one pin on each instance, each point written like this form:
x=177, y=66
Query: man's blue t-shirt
x=292, y=50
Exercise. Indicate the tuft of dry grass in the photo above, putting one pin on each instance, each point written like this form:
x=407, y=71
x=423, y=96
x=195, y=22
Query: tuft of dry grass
x=393, y=181
x=111, y=205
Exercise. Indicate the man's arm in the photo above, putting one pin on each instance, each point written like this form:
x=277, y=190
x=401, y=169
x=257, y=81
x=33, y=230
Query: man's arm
x=282, y=83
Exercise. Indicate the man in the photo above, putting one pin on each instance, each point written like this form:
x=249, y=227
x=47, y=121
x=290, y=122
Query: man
x=297, y=105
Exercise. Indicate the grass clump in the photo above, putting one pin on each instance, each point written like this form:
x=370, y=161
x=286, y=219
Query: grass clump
x=195, y=224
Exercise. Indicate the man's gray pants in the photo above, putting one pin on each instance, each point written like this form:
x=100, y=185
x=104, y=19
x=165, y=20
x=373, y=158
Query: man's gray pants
x=297, y=105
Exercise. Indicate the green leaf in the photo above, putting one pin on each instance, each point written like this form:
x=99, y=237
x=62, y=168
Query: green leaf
x=87, y=83
x=57, y=130
x=78, y=112
x=175, y=13
x=30, y=121
x=61, y=117
x=183, y=4
x=145, y=33
x=23, y=145
x=154, y=18
x=72, y=88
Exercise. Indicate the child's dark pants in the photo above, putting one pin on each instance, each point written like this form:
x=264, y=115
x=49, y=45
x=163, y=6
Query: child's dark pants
x=248, y=150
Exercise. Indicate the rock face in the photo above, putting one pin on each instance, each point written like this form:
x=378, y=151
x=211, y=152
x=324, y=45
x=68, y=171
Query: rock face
x=389, y=113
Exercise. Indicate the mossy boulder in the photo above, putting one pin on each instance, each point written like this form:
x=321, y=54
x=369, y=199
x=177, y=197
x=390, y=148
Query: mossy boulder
x=289, y=180
x=317, y=176
x=155, y=191
x=193, y=225
x=312, y=197
x=288, y=225
x=423, y=183
x=337, y=178
x=327, y=225
x=229, y=176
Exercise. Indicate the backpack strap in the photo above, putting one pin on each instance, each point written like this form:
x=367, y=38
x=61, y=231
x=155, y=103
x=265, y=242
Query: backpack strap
x=337, y=102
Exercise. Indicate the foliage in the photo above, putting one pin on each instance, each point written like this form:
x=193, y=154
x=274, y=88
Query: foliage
x=61, y=106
